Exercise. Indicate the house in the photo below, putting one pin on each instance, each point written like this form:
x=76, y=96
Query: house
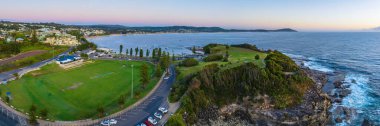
x=19, y=40
x=107, y=50
x=67, y=59
x=4, y=82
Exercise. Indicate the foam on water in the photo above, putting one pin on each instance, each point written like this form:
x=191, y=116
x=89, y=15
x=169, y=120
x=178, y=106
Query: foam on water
x=358, y=99
x=313, y=64
x=359, y=91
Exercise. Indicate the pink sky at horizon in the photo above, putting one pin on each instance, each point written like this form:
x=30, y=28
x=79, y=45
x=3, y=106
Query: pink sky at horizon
x=324, y=15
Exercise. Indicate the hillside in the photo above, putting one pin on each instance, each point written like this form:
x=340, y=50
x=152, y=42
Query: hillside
x=277, y=84
x=117, y=29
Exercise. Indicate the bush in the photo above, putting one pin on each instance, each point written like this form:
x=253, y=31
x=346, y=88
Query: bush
x=247, y=46
x=215, y=57
x=257, y=57
x=176, y=120
x=189, y=62
x=207, y=48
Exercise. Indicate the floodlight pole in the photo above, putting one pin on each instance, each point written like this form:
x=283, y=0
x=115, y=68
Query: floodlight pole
x=132, y=83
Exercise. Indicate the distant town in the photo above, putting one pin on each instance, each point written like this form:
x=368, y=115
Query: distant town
x=50, y=33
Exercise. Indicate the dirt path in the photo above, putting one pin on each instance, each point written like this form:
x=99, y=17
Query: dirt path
x=21, y=56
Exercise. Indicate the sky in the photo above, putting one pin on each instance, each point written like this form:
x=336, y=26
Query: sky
x=306, y=15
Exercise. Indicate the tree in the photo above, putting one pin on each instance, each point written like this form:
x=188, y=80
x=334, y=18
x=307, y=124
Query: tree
x=44, y=113
x=141, y=53
x=165, y=62
x=136, y=51
x=126, y=52
x=32, y=115
x=158, y=70
x=131, y=52
x=100, y=111
x=257, y=57
x=193, y=49
x=147, y=53
x=159, y=52
x=34, y=37
x=84, y=55
x=7, y=99
x=121, y=101
x=16, y=76
x=120, y=49
x=154, y=53
x=189, y=62
x=173, y=57
x=144, y=75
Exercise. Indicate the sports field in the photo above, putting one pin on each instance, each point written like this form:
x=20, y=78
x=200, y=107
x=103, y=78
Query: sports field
x=77, y=93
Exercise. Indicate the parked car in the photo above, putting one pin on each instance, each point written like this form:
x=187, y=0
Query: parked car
x=105, y=123
x=109, y=122
x=113, y=121
x=152, y=120
x=148, y=123
x=141, y=124
x=163, y=110
x=158, y=115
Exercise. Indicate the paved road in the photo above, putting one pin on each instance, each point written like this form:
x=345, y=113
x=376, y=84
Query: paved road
x=9, y=74
x=150, y=105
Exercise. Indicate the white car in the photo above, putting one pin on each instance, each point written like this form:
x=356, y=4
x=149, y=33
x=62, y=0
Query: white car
x=105, y=123
x=113, y=121
x=109, y=122
x=165, y=78
x=142, y=124
x=152, y=120
x=158, y=115
x=163, y=110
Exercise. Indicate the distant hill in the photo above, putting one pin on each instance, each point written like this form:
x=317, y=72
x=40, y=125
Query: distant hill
x=377, y=29
x=172, y=29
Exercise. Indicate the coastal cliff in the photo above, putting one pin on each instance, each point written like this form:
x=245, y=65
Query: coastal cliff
x=312, y=111
x=278, y=93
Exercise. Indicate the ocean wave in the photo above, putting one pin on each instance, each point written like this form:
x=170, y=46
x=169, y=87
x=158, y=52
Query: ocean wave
x=317, y=66
x=359, y=99
x=310, y=62
x=359, y=91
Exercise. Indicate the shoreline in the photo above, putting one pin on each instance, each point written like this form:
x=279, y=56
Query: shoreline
x=314, y=109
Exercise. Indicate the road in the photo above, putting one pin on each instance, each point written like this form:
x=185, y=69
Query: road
x=9, y=74
x=130, y=118
x=150, y=105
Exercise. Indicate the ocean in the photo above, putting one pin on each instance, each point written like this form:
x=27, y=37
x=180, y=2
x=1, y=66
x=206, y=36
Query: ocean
x=355, y=55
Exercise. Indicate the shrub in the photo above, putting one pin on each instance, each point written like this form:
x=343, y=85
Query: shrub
x=247, y=46
x=189, y=62
x=214, y=57
x=257, y=57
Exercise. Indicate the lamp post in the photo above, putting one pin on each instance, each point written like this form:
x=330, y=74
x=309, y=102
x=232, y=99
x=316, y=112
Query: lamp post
x=132, y=82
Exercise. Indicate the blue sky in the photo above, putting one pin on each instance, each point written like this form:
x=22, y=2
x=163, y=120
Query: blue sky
x=313, y=15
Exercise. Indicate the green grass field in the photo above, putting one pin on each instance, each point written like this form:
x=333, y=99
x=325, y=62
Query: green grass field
x=237, y=57
x=77, y=93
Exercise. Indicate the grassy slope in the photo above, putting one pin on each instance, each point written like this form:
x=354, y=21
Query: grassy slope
x=100, y=84
x=237, y=57
x=34, y=59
